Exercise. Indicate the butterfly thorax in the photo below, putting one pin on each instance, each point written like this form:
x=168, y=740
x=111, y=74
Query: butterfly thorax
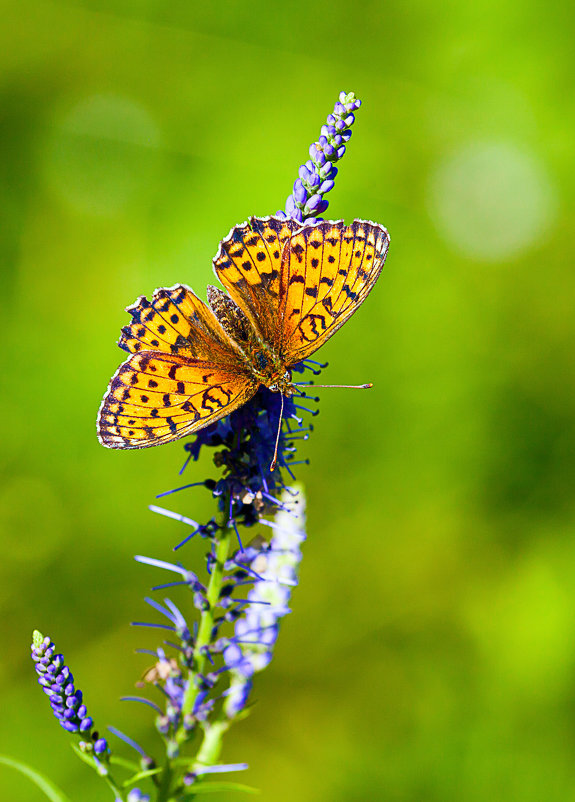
x=264, y=364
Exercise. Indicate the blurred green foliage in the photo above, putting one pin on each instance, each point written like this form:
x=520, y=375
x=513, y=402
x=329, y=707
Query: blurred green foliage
x=431, y=654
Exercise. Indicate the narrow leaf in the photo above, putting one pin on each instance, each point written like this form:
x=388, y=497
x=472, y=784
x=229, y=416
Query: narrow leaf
x=212, y=788
x=53, y=793
x=141, y=776
x=123, y=763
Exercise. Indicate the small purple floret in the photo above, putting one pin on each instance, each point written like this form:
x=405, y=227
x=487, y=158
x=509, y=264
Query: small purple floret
x=136, y=795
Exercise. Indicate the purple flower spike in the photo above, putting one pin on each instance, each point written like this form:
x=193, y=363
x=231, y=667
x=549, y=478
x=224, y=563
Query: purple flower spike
x=57, y=682
x=316, y=176
x=275, y=564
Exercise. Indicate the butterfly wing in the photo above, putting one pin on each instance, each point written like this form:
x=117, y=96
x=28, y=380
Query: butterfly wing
x=156, y=397
x=328, y=270
x=249, y=265
x=299, y=284
x=183, y=373
x=176, y=321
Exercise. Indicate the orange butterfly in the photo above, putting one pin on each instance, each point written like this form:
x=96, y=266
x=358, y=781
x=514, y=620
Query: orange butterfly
x=289, y=288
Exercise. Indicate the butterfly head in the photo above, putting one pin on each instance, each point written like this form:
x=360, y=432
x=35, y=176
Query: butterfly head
x=282, y=384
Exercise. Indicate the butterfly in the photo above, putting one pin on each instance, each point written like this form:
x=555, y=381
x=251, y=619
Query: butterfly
x=289, y=288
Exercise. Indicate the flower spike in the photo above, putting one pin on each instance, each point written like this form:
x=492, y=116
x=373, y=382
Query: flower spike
x=317, y=175
x=67, y=702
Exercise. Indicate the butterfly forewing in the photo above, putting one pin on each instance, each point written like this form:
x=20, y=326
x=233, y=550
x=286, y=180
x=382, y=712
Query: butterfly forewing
x=249, y=264
x=176, y=321
x=156, y=397
x=328, y=270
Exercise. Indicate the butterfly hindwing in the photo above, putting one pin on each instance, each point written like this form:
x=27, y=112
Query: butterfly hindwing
x=328, y=270
x=155, y=398
x=249, y=263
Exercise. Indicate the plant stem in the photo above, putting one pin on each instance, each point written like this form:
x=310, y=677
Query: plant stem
x=207, y=620
x=209, y=751
x=119, y=792
x=164, y=789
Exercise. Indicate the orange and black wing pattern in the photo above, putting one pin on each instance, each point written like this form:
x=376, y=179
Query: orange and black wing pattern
x=328, y=270
x=296, y=284
x=157, y=397
x=183, y=373
x=176, y=321
x=249, y=265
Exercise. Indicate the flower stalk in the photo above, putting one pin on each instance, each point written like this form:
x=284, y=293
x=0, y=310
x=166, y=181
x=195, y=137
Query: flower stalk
x=207, y=623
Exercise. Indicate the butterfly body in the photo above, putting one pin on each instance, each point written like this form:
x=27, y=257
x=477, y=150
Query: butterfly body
x=288, y=289
x=266, y=366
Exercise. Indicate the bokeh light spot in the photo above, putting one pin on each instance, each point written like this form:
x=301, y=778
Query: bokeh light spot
x=491, y=201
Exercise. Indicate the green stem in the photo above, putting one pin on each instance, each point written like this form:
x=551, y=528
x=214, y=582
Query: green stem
x=211, y=746
x=165, y=787
x=119, y=792
x=207, y=621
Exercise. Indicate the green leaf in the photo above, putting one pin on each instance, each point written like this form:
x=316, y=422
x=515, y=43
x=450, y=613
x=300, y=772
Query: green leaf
x=141, y=775
x=212, y=788
x=44, y=784
x=123, y=763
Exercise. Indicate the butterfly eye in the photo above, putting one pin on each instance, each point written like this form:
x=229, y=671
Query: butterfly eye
x=287, y=376
x=274, y=388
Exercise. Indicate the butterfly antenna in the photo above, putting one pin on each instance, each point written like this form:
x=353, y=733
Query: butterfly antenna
x=275, y=459
x=344, y=386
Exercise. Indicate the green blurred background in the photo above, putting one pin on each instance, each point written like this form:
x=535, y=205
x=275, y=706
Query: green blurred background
x=431, y=653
